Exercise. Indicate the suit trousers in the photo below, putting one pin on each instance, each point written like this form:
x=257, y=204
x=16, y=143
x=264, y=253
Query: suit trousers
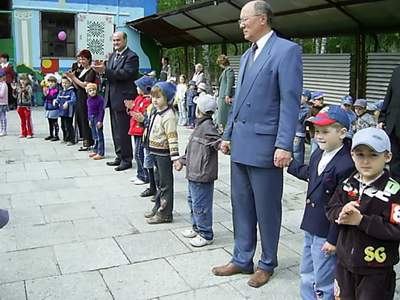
x=120, y=122
x=256, y=200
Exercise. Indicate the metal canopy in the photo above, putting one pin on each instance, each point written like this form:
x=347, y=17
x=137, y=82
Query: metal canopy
x=212, y=22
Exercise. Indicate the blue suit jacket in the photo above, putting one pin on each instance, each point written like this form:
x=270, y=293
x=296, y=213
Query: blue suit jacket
x=266, y=103
x=321, y=188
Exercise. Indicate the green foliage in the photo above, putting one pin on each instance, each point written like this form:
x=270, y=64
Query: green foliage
x=164, y=5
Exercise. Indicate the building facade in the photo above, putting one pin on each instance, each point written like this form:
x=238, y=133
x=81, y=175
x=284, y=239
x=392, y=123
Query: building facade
x=47, y=34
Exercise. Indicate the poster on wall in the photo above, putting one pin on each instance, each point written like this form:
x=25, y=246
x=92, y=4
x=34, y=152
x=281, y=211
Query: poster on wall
x=95, y=33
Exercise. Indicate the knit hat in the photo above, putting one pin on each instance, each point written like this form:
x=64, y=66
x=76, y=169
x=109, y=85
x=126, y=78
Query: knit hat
x=375, y=138
x=91, y=86
x=361, y=103
x=2, y=73
x=86, y=54
x=206, y=103
x=168, y=89
x=145, y=83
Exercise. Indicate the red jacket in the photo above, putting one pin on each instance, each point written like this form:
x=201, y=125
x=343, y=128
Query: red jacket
x=10, y=74
x=139, y=105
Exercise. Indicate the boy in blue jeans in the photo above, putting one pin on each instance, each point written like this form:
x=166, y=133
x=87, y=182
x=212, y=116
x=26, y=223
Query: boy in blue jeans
x=201, y=161
x=329, y=165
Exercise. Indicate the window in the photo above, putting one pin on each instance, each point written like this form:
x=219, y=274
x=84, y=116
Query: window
x=5, y=5
x=5, y=25
x=52, y=25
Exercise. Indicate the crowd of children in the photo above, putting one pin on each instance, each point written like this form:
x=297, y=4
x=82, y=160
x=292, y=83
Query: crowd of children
x=351, y=220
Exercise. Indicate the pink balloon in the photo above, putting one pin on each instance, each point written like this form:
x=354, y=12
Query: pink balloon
x=62, y=36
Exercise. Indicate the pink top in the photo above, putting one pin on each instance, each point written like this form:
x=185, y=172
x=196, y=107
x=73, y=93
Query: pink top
x=3, y=93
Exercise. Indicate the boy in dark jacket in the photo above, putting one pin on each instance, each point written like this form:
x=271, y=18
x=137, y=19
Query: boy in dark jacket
x=329, y=165
x=367, y=208
x=66, y=100
x=201, y=161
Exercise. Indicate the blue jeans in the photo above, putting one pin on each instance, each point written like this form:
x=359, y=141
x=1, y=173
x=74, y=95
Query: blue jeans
x=200, y=200
x=317, y=270
x=191, y=114
x=298, y=149
x=97, y=136
x=141, y=172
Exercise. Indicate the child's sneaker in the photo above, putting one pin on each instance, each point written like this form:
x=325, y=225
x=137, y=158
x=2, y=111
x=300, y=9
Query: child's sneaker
x=139, y=181
x=189, y=233
x=48, y=138
x=93, y=154
x=28, y=136
x=3, y=134
x=199, y=241
x=98, y=157
x=55, y=139
x=21, y=136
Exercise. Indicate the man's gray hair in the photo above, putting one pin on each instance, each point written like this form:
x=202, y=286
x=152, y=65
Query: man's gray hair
x=263, y=8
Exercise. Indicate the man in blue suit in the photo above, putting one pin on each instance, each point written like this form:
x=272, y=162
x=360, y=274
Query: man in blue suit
x=259, y=135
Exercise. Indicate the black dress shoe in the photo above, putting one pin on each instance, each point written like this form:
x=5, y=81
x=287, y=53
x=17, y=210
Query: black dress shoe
x=147, y=193
x=113, y=163
x=122, y=167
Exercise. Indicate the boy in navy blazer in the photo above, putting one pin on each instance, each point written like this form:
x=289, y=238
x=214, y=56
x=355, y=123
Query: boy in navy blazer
x=329, y=166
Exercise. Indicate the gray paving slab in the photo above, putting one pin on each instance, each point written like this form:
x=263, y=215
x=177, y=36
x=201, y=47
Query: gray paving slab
x=196, y=267
x=282, y=286
x=65, y=172
x=32, y=199
x=18, y=176
x=87, y=286
x=8, y=239
x=5, y=201
x=144, y=280
x=151, y=245
x=26, y=216
x=12, y=291
x=102, y=227
x=27, y=264
x=45, y=235
x=89, y=255
x=69, y=211
x=220, y=292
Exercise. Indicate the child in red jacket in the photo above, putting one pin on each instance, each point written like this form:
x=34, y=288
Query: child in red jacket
x=136, y=109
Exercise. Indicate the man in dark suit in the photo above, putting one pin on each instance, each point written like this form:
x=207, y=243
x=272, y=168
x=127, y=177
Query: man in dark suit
x=259, y=134
x=121, y=71
x=390, y=121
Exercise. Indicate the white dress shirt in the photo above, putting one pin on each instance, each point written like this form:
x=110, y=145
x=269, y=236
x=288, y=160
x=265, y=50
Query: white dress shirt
x=261, y=43
x=326, y=158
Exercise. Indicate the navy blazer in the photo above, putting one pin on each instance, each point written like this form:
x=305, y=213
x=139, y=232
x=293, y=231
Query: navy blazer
x=121, y=74
x=321, y=188
x=266, y=103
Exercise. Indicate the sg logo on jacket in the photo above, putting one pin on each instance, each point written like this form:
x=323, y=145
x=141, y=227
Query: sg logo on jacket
x=377, y=254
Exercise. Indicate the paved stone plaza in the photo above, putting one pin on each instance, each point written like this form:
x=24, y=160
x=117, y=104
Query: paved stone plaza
x=77, y=231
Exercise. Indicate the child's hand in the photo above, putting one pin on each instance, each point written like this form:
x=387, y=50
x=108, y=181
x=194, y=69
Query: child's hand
x=350, y=215
x=65, y=105
x=225, y=147
x=99, y=124
x=178, y=165
x=128, y=103
x=328, y=248
x=138, y=116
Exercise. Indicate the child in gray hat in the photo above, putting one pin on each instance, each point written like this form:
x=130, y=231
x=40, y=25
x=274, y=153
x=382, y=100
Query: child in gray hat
x=364, y=119
x=201, y=161
x=367, y=208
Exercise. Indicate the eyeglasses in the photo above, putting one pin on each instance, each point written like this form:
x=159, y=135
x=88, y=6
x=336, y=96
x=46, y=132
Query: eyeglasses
x=245, y=19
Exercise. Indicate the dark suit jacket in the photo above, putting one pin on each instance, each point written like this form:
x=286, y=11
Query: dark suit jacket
x=121, y=75
x=320, y=189
x=391, y=106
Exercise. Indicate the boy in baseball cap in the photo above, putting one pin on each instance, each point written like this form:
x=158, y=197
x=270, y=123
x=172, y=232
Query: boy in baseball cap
x=367, y=208
x=347, y=104
x=364, y=119
x=329, y=165
x=201, y=161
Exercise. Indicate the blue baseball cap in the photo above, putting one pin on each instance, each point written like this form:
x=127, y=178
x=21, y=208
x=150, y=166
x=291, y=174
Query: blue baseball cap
x=317, y=95
x=379, y=105
x=347, y=100
x=168, y=88
x=329, y=115
x=361, y=102
x=375, y=138
x=306, y=93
